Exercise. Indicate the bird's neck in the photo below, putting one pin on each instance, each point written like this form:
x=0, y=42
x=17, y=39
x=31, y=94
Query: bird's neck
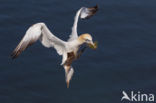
x=76, y=42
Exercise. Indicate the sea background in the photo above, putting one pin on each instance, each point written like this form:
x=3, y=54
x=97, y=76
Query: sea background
x=124, y=61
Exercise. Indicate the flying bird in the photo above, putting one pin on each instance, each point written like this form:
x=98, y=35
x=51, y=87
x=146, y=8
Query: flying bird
x=69, y=50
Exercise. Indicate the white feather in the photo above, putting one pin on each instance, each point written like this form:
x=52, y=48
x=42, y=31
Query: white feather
x=40, y=32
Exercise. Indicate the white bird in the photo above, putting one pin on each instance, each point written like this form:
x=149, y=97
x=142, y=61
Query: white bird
x=67, y=49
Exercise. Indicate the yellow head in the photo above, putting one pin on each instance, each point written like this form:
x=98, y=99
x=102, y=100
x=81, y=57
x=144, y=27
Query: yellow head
x=86, y=38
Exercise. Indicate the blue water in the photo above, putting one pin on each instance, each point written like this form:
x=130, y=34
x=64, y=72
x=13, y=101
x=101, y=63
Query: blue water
x=124, y=60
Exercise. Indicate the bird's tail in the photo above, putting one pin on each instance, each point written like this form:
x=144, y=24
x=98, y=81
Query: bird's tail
x=69, y=71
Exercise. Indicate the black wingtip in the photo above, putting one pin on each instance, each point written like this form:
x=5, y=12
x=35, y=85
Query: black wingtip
x=92, y=11
x=14, y=55
x=96, y=7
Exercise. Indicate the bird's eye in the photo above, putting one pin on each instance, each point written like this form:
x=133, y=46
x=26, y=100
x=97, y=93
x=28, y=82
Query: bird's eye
x=87, y=40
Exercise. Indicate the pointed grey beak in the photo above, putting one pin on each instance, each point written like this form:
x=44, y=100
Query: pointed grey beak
x=92, y=45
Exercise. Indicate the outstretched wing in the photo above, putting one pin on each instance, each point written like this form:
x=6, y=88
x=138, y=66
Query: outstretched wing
x=40, y=32
x=83, y=13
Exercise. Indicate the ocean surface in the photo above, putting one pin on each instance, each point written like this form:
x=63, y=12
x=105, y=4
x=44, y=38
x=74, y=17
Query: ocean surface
x=124, y=61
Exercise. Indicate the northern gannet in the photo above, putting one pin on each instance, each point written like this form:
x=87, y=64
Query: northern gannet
x=67, y=49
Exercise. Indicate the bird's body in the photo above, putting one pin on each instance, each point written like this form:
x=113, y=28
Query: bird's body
x=67, y=49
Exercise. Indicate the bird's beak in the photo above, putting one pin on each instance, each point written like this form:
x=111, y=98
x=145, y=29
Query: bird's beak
x=92, y=45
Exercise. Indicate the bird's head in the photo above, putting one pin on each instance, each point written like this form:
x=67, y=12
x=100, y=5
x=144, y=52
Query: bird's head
x=86, y=38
